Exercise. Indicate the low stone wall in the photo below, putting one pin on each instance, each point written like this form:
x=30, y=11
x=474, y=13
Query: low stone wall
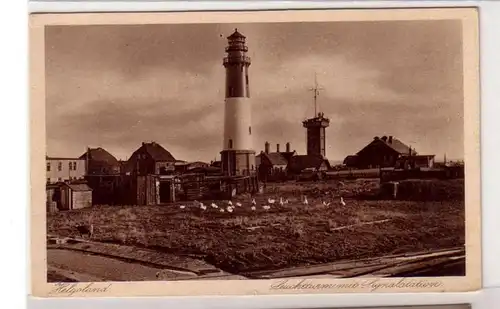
x=423, y=190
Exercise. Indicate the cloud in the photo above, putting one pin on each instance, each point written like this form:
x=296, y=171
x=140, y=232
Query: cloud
x=116, y=86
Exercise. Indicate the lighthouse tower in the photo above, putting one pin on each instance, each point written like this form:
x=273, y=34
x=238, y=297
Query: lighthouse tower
x=237, y=155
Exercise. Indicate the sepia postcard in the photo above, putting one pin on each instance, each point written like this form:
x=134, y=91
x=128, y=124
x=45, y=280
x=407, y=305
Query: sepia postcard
x=255, y=153
x=447, y=306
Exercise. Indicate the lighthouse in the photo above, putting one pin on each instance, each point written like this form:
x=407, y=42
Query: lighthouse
x=237, y=155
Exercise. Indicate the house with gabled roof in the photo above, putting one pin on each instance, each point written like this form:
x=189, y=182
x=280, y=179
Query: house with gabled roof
x=272, y=165
x=313, y=163
x=150, y=158
x=100, y=162
x=388, y=151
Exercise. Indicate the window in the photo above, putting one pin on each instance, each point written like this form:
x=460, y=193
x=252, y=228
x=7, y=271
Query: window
x=74, y=166
x=59, y=166
x=48, y=179
x=48, y=166
x=70, y=166
x=250, y=130
x=230, y=144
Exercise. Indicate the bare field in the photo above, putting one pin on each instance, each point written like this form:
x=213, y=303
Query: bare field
x=289, y=235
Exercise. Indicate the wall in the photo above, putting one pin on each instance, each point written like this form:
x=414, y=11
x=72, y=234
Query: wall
x=272, y=173
x=376, y=155
x=52, y=198
x=54, y=175
x=169, y=167
x=245, y=163
x=81, y=199
x=313, y=141
x=65, y=198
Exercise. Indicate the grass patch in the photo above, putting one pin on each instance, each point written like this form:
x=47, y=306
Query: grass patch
x=288, y=235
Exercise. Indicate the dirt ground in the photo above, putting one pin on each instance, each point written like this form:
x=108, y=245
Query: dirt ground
x=283, y=236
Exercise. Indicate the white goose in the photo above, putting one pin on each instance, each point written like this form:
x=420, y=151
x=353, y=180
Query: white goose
x=182, y=207
x=253, y=202
x=238, y=204
x=253, y=208
x=230, y=203
x=281, y=201
x=229, y=209
x=305, y=201
x=214, y=205
x=342, y=201
x=266, y=207
x=271, y=201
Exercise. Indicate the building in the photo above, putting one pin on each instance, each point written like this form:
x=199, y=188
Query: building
x=316, y=134
x=52, y=197
x=64, y=169
x=414, y=161
x=187, y=167
x=272, y=165
x=101, y=162
x=313, y=163
x=151, y=159
x=237, y=155
x=75, y=196
x=388, y=151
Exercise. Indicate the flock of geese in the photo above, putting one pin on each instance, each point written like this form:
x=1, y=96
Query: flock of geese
x=229, y=207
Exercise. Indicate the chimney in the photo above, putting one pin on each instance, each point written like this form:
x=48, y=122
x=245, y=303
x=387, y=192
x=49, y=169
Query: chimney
x=277, y=147
x=266, y=147
x=390, y=139
x=384, y=138
x=288, y=147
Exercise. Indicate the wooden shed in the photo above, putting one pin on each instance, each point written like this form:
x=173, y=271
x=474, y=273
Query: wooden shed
x=53, y=197
x=75, y=196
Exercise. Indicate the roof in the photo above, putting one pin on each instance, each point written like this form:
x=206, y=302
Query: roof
x=78, y=186
x=275, y=158
x=206, y=169
x=398, y=146
x=62, y=158
x=236, y=35
x=418, y=156
x=101, y=155
x=351, y=159
x=157, y=152
x=393, y=143
x=301, y=162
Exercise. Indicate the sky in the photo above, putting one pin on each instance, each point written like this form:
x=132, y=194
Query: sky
x=116, y=86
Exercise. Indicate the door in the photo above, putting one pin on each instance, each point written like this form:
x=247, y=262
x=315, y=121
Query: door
x=165, y=192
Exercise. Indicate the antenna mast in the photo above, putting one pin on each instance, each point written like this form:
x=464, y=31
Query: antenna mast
x=316, y=90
